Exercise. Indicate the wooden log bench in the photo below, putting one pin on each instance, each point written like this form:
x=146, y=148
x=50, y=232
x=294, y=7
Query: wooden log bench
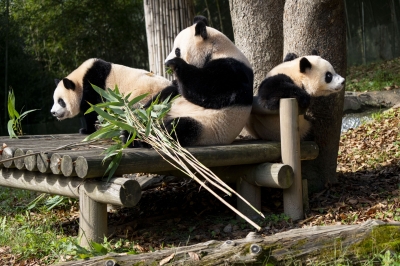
x=77, y=173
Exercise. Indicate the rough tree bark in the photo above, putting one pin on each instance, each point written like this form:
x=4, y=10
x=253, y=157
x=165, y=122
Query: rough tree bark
x=164, y=20
x=320, y=25
x=257, y=27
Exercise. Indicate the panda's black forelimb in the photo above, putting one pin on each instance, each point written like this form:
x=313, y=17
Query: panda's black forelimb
x=170, y=91
x=218, y=84
x=280, y=86
x=185, y=130
x=97, y=75
x=290, y=57
x=90, y=121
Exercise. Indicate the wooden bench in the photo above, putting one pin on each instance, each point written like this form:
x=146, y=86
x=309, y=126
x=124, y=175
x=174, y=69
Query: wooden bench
x=77, y=173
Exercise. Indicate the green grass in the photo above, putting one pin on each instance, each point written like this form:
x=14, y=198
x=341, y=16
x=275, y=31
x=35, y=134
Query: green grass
x=34, y=231
x=374, y=76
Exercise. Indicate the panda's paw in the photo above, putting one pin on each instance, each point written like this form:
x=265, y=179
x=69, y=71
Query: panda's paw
x=303, y=101
x=175, y=63
x=271, y=103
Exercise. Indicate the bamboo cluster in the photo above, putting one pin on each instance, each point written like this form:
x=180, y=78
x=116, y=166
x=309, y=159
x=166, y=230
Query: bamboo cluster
x=164, y=20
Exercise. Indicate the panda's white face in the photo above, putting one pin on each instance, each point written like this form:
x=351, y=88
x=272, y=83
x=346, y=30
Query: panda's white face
x=193, y=49
x=66, y=102
x=318, y=77
x=321, y=79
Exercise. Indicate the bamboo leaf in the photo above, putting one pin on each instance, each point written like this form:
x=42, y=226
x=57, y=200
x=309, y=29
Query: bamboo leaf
x=112, y=167
x=26, y=112
x=118, y=97
x=103, y=113
x=10, y=129
x=103, y=93
x=95, y=134
x=137, y=99
x=148, y=128
x=103, y=105
x=142, y=114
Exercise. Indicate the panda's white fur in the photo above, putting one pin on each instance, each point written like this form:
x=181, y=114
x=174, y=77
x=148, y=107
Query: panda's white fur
x=300, y=78
x=215, y=81
x=69, y=102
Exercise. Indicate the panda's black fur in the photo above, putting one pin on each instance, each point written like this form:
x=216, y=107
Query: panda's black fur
x=218, y=82
x=232, y=78
x=96, y=75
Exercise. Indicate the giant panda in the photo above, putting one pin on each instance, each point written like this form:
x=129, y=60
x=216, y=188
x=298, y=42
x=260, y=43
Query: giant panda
x=74, y=92
x=215, y=81
x=302, y=78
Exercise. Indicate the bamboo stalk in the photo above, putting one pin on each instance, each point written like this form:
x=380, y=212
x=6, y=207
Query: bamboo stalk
x=158, y=142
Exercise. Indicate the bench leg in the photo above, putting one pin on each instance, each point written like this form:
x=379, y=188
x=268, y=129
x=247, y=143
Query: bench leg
x=252, y=194
x=92, y=220
x=290, y=148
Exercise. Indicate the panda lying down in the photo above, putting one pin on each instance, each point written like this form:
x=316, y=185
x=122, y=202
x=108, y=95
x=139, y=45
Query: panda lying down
x=302, y=78
x=73, y=92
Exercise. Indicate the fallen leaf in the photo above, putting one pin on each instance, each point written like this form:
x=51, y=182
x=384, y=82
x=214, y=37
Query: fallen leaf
x=194, y=256
x=167, y=259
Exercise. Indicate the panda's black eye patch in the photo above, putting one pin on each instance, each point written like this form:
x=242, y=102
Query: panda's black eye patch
x=61, y=103
x=178, y=52
x=328, y=77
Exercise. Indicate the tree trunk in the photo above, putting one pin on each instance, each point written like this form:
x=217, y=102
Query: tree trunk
x=164, y=20
x=320, y=25
x=315, y=245
x=257, y=27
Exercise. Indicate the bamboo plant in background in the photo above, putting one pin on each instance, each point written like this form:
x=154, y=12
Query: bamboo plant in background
x=164, y=20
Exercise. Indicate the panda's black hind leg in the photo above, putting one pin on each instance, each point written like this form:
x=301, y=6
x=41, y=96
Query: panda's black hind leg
x=280, y=86
x=185, y=130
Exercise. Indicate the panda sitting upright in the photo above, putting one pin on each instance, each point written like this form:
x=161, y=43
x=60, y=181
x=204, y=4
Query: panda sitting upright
x=73, y=92
x=215, y=81
x=300, y=78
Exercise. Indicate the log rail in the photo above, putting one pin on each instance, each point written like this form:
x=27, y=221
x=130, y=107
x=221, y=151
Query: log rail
x=76, y=171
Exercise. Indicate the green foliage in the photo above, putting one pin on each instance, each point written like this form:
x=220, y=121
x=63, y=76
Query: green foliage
x=114, y=117
x=374, y=76
x=50, y=38
x=49, y=201
x=97, y=30
x=14, y=125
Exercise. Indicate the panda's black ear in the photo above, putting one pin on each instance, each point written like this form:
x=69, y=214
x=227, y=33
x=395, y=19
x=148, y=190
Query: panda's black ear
x=200, y=18
x=56, y=81
x=314, y=52
x=290, y=57
x=201, y=29
x=68, y=84
x=304, y=64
